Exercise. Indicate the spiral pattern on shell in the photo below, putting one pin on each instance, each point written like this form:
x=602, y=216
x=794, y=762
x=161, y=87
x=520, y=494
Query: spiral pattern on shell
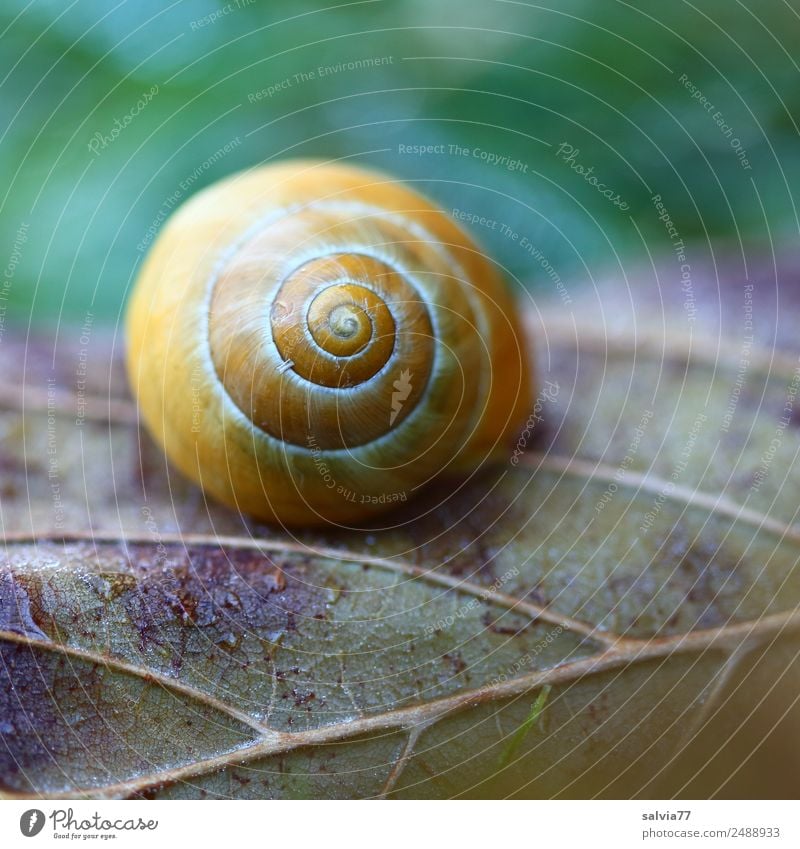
x=315, y=342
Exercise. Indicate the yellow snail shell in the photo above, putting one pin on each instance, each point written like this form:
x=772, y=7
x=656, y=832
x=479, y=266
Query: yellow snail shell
x=313, y=343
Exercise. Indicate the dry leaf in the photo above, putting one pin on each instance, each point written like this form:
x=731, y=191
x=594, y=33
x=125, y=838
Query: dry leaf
x=612, y=613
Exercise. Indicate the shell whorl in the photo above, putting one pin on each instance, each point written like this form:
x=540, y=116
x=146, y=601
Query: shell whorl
x=307, y=347
x=352, y=343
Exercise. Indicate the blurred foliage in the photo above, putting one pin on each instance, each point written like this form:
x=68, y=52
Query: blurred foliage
x=511, y=78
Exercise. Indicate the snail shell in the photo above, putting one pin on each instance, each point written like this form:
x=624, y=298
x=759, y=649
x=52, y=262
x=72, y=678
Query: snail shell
x=313, y=343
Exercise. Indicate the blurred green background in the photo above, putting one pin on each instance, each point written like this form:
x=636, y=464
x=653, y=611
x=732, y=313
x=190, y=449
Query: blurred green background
x=114, y=112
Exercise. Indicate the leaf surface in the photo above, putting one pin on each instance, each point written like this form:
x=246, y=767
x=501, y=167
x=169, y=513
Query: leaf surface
x=638, y=564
